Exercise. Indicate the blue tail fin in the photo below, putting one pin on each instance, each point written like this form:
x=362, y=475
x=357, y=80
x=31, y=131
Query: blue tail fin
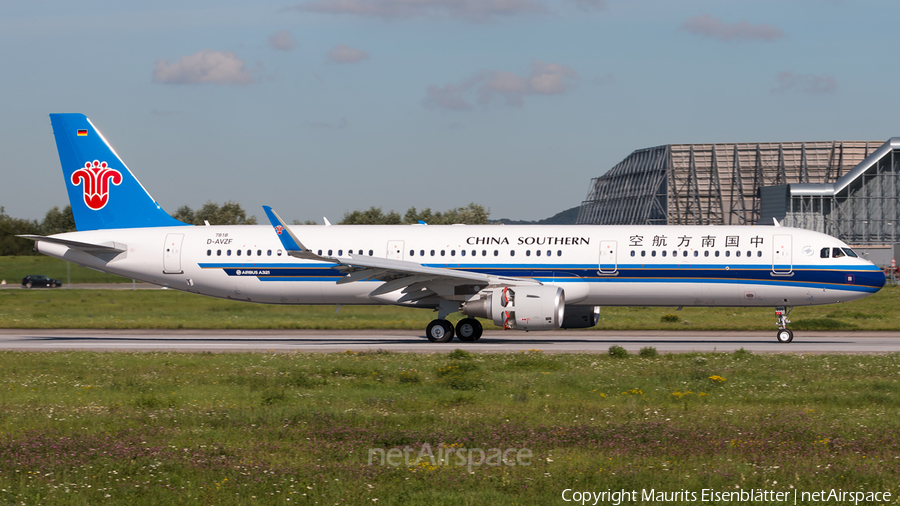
x=103, y=192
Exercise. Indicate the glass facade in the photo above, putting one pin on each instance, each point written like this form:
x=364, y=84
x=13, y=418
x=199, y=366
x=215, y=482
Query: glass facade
x=863, y=207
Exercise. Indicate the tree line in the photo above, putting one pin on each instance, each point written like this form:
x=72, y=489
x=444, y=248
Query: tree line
x=57, y=221
x=472, y=214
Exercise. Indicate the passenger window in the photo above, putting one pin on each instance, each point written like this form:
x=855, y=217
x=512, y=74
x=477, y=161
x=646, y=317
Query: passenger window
x=559, y=252
x=319, y=253
x=432, y=252
x=463, y=253
x=824, y=253
x=329, y=253
x=685, y=253
x=259, y=252
x=442, y=252
x=717, y=253
x=278, y=252
x=238, y=252
x=836, y=253
x=218, y=252
x=512, y=252
x=371, y=252
x=528, y=252
x=537, y=252
x=228, y=253
x=759, y=253
x=737, y=253
x=453, y=252
x=632, y=253
x=749, y=253
x=249, y=252
x=664, y=253
x=727, y=253
x=496, y=252
x=412, y=252
x=421, y=252
x=209, y=252
x=643, y=253
x=360, y=252
x=653, y=253
x=484, y=253
x=340, y=252
x=696, y=253
x=706, y=253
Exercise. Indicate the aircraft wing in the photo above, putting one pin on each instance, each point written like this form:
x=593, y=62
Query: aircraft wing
x=416, y=280
x=111, y=247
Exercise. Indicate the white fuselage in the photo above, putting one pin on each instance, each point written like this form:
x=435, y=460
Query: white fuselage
x=595, y=265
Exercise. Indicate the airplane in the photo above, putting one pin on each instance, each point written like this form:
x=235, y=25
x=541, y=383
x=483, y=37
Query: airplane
x=521, y=277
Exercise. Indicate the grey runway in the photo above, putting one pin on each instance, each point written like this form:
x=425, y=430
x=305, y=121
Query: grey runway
x=592, y=341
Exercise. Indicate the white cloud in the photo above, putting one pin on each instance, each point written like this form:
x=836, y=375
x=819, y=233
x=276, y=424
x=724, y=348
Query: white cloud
x=789, y=81
x=346, y=54
x=472, y=10
x=207, y=66
x=282, y=40
x=488, y=86
x=709, y=26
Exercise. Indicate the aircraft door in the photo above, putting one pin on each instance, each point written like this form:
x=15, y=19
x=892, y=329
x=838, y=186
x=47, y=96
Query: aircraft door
x=608, y=264
x=395, y=250
x=172, y=254
x=782, y=262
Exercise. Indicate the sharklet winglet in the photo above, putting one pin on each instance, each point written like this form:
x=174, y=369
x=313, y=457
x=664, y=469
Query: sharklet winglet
x=291, y=243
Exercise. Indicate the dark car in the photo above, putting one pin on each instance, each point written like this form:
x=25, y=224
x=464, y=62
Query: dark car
x=38, y=280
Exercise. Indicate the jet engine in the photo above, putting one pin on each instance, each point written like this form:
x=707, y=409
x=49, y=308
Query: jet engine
x=519, y=307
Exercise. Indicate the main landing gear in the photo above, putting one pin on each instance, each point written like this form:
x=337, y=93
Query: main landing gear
x=784, y=335
x=441, y=331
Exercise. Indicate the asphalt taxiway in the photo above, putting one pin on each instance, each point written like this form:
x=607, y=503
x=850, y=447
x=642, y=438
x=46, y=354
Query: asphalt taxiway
x=590, y=341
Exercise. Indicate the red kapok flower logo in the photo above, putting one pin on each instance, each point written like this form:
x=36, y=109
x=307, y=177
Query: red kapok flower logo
x=96, y=177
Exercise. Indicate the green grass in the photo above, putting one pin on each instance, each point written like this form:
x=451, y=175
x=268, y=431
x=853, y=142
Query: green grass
x=169, y=428
x=43, y=308
x=14, y=268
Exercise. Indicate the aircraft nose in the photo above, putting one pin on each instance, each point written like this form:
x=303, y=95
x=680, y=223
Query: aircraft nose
x=873, y=278
x=880, y=279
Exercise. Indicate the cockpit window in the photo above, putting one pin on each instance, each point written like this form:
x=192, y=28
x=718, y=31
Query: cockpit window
x=836, y=253
x=850, y=252
x=825, y=252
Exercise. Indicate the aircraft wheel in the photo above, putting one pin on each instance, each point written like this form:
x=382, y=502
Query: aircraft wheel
x=439, y=331
x=469, y=330
x=784, y=336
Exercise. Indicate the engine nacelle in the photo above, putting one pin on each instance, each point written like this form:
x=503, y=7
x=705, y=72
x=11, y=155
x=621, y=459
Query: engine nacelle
x=520, y=307
x=581, y=317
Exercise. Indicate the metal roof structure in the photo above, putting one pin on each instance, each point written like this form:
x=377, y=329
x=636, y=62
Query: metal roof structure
x=714, y=184
x=861, y=207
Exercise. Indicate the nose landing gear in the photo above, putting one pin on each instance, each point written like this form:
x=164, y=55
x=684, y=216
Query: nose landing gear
x=784, y=335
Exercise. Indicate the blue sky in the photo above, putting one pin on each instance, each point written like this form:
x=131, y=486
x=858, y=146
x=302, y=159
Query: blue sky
x=319, y=107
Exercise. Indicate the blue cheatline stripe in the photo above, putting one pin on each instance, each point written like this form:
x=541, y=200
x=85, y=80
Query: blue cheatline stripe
x=864, y=278
x=553, y=267
x=298, y=278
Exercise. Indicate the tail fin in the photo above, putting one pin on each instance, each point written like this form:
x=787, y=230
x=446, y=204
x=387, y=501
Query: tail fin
x=103, y=192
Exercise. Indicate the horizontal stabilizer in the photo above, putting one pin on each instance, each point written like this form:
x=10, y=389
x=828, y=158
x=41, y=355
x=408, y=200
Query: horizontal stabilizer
x=110, y=247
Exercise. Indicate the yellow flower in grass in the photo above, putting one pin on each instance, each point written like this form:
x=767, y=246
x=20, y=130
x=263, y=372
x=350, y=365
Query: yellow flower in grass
x=717, y=379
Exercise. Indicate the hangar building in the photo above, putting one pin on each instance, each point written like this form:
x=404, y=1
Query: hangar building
x=848, y=189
